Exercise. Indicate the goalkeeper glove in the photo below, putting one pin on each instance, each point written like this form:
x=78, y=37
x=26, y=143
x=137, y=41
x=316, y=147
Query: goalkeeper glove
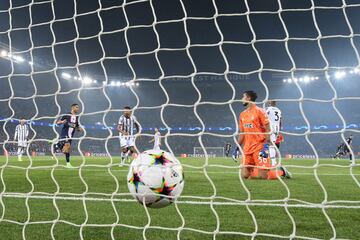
x=264, y=153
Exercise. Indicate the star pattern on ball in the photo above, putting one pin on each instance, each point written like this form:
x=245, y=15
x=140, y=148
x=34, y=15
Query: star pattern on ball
x=135, y=180
x=160, y=159
x=165, y=189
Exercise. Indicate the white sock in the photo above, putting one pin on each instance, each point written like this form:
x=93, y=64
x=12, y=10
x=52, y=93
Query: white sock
x=123, y=155
x=272, y=153
x=20, y=152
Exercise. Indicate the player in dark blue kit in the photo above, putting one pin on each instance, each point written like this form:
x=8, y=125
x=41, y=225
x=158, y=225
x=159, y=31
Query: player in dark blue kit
x=235, y=154
x=70, y=124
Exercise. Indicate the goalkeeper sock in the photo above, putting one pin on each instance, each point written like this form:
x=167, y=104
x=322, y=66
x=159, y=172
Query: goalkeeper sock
x=67, y=156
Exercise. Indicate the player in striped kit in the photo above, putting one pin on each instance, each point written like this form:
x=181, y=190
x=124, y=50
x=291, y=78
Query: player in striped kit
x=70, y=124
x=274, y=115
x=21, y=135
x=156, y=140
x=127, y=126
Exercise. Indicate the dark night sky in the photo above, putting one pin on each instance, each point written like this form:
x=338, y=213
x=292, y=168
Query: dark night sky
x=60, y=42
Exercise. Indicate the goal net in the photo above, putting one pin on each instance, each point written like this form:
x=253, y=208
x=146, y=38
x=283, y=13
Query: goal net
x=210, y=151
x=183, y=67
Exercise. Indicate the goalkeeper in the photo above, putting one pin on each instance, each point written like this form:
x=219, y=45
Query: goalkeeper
x=255, y=140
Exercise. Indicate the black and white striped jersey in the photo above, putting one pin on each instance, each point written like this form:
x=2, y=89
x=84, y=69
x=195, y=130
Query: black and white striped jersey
x=128, y=125
x=21, y=132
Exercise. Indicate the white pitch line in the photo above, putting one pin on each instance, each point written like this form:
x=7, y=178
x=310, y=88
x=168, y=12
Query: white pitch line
x=238, y=203
x=62, y=168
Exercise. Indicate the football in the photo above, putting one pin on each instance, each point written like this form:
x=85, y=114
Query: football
x=155, y=178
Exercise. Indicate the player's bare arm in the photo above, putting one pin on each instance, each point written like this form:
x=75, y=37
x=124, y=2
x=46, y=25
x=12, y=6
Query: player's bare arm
x=268, y=133
x=241, y=138
x=61, y=121
x=120, y=129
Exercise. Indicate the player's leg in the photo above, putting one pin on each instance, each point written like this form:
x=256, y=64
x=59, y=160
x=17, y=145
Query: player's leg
x=272, y=149
x=131, y=148
x=20, y=152
x=262, y=166
x=247, y=168
x=123, y=150
x=277, y=172
x=347, y=151
x=235, y=154
x=272, y=153
x=265, y=170
x=156, y=147
x=66, y=150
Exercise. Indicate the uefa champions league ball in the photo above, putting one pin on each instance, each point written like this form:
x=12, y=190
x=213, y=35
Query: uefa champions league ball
x=155, y=178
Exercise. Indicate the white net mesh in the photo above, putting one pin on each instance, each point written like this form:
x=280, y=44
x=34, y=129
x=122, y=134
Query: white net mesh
x=183, y=67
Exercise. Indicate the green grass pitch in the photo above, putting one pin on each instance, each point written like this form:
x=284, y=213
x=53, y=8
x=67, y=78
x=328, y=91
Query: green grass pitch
x=74, y=215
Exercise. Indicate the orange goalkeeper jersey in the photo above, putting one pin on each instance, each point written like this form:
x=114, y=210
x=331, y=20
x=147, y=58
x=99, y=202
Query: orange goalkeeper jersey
x=252, y=123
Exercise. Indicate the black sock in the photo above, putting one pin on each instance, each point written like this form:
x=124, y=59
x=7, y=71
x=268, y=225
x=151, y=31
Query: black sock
x=67, y=156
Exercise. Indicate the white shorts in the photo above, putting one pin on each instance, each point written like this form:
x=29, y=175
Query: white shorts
x=22, y=143
x=126, y=141
x=156, y=147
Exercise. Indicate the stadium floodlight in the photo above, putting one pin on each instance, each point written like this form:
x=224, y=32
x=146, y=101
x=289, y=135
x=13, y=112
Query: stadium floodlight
x=301, y=79
x=66, y=75
x=104, y=83
x=4, y=53
x=289, y=80
x=137, y=84
x=284, y=80
x=95, y=81
x=340, y=74
x=127, y=84
x=132, y=84
x=123, y=84
x=87, y=80
x=306, y=79
x=316, y=78
x=31, y=63
x=356, y=70
x=112, y=83
x=118, y=84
